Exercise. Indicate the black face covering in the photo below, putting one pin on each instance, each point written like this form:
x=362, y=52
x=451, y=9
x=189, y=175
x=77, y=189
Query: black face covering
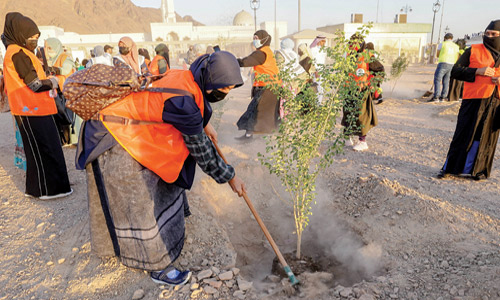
x=493, y=43
x=124, y=50
x=216, y=96
x=31, y=45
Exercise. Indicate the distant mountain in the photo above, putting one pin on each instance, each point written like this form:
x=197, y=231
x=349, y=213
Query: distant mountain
x=88, y=16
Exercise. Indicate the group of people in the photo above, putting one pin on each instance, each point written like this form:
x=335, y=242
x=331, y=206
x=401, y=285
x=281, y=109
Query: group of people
x=140, y=155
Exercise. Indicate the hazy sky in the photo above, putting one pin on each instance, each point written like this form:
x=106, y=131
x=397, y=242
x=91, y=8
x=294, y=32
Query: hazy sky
x=461, y=16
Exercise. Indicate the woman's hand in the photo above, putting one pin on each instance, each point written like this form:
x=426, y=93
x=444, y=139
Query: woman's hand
x=495, y=80
x=486, y=71
x=211, y=133
x=238, y=186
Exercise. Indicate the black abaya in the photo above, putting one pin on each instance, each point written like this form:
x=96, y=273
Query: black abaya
x=474, y=143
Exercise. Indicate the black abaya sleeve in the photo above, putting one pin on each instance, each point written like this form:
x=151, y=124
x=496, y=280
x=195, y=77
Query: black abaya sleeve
x=256, y=58
x=461, y=70
x=26, y=71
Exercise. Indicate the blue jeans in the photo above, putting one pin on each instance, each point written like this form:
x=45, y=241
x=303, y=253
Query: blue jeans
x=442, y=75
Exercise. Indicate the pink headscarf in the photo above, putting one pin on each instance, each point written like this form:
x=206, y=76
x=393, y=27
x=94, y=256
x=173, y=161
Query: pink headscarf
x=318, y=39
x=132, y=58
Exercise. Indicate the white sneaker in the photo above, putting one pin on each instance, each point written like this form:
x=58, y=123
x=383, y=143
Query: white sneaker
x=56, y=196
x=361, y=146
x=352, y=141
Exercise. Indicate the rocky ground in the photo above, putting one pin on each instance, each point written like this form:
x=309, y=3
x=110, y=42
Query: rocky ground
x=383, y=226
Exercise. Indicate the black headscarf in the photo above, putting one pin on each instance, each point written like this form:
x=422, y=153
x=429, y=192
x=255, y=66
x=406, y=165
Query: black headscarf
x=493, y=44
x=217, y=70
x=264, y=37
x=162, y=50
x=18, y=29
x=359, y=41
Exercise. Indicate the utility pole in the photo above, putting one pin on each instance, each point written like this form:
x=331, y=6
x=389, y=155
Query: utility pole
x=441, y=23
x=275, y=28
x=378, y=2
x=299, y=15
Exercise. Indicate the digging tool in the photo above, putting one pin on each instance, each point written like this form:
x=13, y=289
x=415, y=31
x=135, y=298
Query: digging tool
x=286, y=267
x=429, y=92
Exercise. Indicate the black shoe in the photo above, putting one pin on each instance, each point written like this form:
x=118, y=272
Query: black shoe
x=479, y=176
x=442, y=174
x=434, y=99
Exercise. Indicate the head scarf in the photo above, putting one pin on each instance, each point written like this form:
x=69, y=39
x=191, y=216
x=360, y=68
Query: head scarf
x=217, y=70
x=493, y=44
x=132, y=58
x=144, y=52
x=98, y=50
x=318, y=39
x=56, y=46
x=18, y=29
x=359, y=40
x=287, y=44
x=163, y=50
x=264, y=37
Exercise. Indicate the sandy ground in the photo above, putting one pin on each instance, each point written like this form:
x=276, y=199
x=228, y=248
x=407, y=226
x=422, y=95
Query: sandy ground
x=383, y=226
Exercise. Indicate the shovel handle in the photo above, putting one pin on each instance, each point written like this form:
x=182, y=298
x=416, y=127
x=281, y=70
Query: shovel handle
x=282, y=260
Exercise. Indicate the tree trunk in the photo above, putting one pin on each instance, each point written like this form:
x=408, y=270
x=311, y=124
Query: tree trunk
x=299, y=244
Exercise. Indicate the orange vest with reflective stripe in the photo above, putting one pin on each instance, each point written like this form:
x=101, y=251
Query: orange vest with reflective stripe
x=269, y=67
x=156, y=145
x=154, y=65
x=482, y=87
x=58, y=64
x=22, y=100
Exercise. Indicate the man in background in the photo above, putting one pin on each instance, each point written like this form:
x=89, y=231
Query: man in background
x=448, y=55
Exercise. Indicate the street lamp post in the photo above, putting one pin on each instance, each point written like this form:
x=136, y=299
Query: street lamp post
x=435, y=9
x=406, y=9
x=255, y=4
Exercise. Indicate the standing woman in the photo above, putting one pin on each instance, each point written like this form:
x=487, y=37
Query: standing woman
x=129, y=56
x=161, y=62
x=359, y=109
x=263, y=111
x=28, y=91
x=61, y=65
x=472, y=148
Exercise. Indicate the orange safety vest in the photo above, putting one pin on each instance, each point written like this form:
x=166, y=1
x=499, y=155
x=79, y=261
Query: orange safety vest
x=155, y=144
x=22, y=100
x=154, y=65
x=482, y=87
x=269, y=67
x=58, y=64
x=362, y=75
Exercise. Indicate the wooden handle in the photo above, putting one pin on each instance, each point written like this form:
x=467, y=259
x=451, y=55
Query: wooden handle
x=257, y=217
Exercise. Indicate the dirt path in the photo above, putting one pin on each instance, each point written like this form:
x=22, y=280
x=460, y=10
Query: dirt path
x=384, y=227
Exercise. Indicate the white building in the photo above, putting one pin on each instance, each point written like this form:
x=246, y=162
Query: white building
x=177, y=35
x=390, y=39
